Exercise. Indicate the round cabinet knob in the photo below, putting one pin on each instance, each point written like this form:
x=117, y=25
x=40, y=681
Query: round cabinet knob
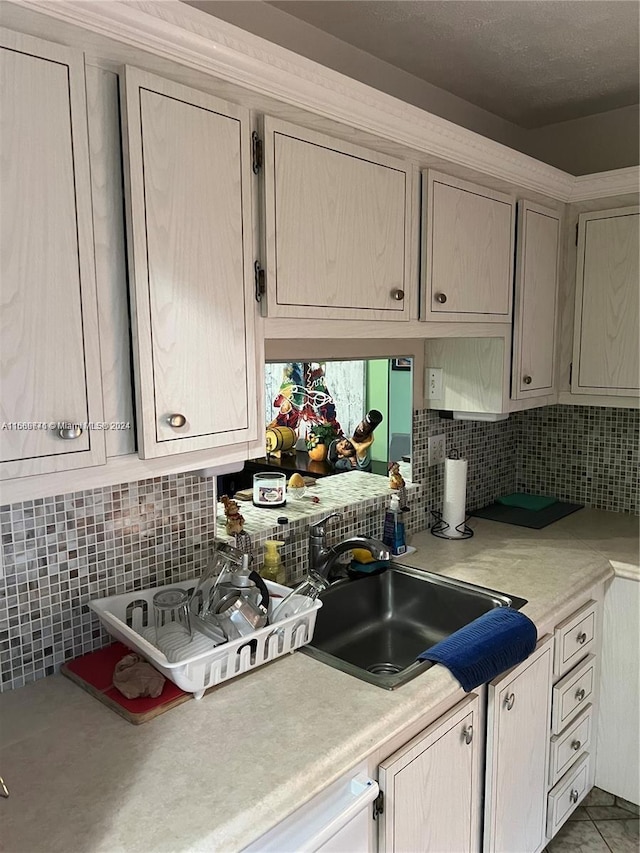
x=70, y=433
x=509, y=701
x=467, y=734
x=580, y=694
x=573, y=796
x=527, y=380
x=176, y=421
x=581, y=638
x=441, y=298
x=397, y=294
x=575, y=745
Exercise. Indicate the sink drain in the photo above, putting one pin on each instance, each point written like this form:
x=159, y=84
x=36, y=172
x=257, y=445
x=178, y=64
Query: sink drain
x=383, y=669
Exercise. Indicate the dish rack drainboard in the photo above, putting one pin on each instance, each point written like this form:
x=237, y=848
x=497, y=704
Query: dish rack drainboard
x=126, y=616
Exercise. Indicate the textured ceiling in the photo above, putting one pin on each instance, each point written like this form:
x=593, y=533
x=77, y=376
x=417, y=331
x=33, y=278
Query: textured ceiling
x=532, y=62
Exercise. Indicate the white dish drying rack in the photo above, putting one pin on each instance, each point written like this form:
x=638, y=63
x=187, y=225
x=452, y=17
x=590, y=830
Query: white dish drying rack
x=126, y=616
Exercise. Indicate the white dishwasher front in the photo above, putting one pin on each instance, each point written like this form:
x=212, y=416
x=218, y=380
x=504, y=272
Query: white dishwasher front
x=338, y=820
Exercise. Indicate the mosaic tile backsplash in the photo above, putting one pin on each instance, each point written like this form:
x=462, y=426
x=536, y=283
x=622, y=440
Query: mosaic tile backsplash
x=584, y=454
x=58, y=553
x=361, y=498
x=490, y=451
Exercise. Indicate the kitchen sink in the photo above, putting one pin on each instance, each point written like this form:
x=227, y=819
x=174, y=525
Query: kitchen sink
x=375, y=627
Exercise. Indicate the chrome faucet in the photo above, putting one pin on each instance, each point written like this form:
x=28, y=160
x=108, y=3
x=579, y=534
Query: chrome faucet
x=322, y=558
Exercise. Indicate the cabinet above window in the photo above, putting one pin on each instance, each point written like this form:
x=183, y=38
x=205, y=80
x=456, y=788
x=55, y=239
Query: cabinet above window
x=339, y=223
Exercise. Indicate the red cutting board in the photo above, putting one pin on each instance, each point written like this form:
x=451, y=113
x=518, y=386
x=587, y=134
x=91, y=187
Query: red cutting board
x=94, y=673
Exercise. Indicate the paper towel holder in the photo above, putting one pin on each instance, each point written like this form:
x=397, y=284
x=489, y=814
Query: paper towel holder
x=440, y=527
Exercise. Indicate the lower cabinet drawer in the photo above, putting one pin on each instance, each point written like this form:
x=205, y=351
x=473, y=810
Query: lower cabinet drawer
x=575, y=638
x=565, y=796
x=572, y=693
x=570, y=744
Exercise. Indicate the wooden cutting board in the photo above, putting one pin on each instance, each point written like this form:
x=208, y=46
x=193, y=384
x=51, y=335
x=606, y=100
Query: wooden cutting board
x=94, y=673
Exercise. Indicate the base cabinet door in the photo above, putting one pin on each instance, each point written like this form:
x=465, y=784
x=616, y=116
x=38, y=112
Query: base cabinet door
x=432, y=790
x=518, y=719
x=49, y=348
x=188, y=189
x=605, y=340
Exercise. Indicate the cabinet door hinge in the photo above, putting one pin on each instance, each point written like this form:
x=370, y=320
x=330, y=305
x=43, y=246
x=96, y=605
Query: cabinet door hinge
x=261, y=287
x=256, y=152
x=378, y=805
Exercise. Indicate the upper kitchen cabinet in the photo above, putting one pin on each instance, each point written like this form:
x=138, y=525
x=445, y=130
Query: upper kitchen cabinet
x=50, y=359
x=340, y=226
x=188, y=192
x=605, y=343
x=467, y=250
x=536, y=296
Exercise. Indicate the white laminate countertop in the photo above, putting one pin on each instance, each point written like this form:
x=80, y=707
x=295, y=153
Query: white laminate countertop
x=216, y=774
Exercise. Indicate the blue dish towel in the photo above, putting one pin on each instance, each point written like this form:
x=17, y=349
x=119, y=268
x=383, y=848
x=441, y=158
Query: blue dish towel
x=484, y=648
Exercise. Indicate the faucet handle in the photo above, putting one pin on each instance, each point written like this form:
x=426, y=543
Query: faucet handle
x=319, y=528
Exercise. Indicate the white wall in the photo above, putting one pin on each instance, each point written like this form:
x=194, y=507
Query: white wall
x=593, y=144
x=293, y=34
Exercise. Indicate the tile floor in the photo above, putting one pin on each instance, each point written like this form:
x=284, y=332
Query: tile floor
x=602, y=824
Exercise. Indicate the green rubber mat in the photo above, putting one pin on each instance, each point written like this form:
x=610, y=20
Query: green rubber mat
x=535, y=519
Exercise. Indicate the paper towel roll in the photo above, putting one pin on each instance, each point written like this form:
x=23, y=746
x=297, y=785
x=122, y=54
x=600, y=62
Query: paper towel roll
x=455, y=494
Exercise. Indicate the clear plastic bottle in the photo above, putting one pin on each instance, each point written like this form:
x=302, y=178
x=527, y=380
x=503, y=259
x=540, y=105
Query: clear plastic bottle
x=300, y=598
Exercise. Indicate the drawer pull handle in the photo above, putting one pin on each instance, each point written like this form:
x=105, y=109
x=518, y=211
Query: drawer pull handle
x=580, y=694
x=582, y=637
x=441, y=298
x=573, y=796
x=575, y=745
x=467, y=734
x=176, y=421
x=397, y=294
x=509, y=701
x=527, y=380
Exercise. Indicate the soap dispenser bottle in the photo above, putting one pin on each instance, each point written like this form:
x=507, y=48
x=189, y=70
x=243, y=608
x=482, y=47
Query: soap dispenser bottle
x=393, y=535
x=273, y=569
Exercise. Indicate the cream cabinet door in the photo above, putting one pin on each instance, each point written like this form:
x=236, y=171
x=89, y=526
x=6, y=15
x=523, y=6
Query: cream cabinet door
x=50, y=370
x=432, y=789
x=188, y=187
x=339, y=228
x=518, y=716
x=467, y=251
x=605, y=341
x=536, y=294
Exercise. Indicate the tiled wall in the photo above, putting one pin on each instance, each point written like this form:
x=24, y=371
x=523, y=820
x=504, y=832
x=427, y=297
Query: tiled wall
x=585, y=454
x=57, y=553
x=490, y=451
x=360, y=498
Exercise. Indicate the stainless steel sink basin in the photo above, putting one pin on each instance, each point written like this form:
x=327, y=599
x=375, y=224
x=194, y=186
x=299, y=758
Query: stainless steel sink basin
x=375, y=627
